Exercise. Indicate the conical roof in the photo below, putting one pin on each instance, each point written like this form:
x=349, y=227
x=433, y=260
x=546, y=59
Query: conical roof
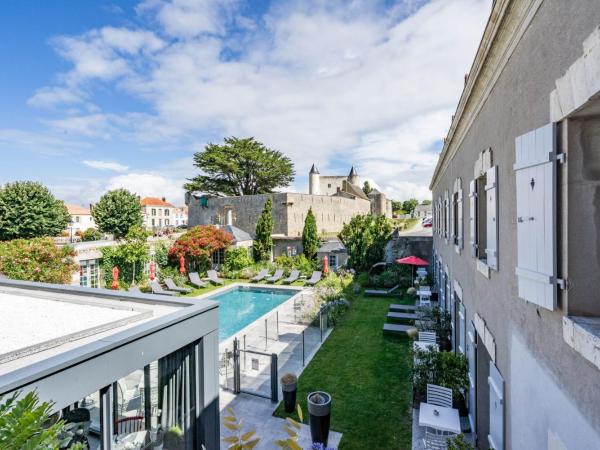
x=314, y=169
x=353, y=173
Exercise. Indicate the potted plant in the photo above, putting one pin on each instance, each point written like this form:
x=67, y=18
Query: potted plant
x=174, y=439
x=452, y=371
x=440, y=321
x=289, y=387
x=319, y=411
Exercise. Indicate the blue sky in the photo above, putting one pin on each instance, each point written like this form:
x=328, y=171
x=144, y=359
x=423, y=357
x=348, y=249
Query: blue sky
x=99, y=95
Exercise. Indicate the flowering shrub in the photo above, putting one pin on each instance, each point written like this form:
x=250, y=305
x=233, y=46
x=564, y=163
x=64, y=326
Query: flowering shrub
x=37, y=259
x=197, y=246
x=299, y=262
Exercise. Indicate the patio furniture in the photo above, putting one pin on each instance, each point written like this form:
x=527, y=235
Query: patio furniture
x=260, y=276
x=446, y=419
x=276, y=276
x=439, y=396
x=129, y=425
x=134, y=289
x=435, y=440
x=412, y=261
x=315, y=278
x=158, y=290
x=399, y=308
x=381, y=292
x=78, y=422
x=196, y=281
x=402, y=316
x=427, y=336
x=294, y=275
x=214, y=277
x=171, y=286
x=424, y=296
x=426, y=346
x=392, y=328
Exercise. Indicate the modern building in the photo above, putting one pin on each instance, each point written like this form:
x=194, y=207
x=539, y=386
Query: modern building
x=516, y=214
x=127, y=368
x=158, y=213
x=81, y=219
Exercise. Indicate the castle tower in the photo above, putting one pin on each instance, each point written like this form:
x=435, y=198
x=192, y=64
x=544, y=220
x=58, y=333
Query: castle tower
x=313, y=181
x=353, y=177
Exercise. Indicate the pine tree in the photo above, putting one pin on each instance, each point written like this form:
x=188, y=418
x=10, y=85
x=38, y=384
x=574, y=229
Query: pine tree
x=263, y=242
x=310, y=236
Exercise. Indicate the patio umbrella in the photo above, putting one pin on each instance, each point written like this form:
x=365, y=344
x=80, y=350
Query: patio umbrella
x=115, y=278
x=181, y=264
x=325, y=265
x=152, y=271
x=412, y=261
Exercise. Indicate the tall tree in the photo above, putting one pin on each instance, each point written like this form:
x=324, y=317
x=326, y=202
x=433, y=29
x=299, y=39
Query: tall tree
x=28, y=209
x=409, y=205
x=367, y=189
x=241, y=167
x=365, y=237
x=263, y=241
x=310, y=236
x=426, y=202
x=117, y=211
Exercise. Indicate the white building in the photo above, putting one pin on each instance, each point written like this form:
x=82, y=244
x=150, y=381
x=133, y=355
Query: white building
x=181, y=216
x=158, y=213
x=81, y=219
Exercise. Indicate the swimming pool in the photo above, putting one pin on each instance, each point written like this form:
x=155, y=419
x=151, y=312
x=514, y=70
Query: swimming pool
x=242, y=305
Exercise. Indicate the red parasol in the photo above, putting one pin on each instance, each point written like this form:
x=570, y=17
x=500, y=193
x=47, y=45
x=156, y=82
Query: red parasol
x=412, y=261
x=325, y=265
x=152, y=271
x=181, y=264
x=115, y=275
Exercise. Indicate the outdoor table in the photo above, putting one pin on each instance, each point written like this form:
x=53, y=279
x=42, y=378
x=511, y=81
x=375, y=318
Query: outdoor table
x=425, y=346
x=447, y=420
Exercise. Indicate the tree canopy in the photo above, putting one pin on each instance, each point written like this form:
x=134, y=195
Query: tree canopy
x=197, y=246
x=426, y=202
x=28, y=210
x=310, y=236
x=365, y=237
x=409, y=205
x=241, y=167
x=367, y=189
x=129, y=257
x=117, y=211
x=263, y=241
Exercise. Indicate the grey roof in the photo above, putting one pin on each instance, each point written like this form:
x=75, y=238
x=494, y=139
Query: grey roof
x=332, y=247
x=238, y=234
x=314, y=169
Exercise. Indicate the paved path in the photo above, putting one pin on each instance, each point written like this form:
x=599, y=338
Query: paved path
x=417, y=230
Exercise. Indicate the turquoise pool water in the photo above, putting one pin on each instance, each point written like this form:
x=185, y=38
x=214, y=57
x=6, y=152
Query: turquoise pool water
x=240, y=306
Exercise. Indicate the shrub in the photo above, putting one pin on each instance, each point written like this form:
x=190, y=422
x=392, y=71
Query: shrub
x=129, y=257
x=174, y=273
x=387, y=279
x=161, y=254
x=38, y=259
x=28, y=210
x=299, y=262
x=91, y=234
x=198, y=245
x=263, y=241
x=237, y=259
x=365, y=237
x=436, y=319
x=447, y=369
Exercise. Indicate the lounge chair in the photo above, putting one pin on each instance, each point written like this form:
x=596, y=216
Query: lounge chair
x=171, y=286
x=260, y=276
x=196, y=281
x=392, y=328
x=294, y=275
x=400, y=308
x=276, y=276
x=157, y=289
x=402, y=316
x=134, y=289
x=382, y=292
x=315, y=278
x=214, y=277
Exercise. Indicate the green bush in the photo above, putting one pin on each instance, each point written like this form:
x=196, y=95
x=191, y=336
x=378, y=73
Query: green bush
x=129, y=257
x=91, y=234
x=438, y=320
x=365, y=237
x=299, y=262
x=161, y=254
x=38, y=259
x=237, y=259
x=387, y=279
x=447, y=369
x=172, y=272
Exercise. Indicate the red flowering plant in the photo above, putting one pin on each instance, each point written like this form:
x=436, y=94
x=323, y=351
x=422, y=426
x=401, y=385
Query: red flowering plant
x=198, y=245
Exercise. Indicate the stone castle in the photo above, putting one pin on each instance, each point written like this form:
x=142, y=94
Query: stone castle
x=334, y=201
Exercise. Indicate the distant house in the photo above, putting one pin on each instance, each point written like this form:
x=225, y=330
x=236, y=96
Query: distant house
x=423, y=211
x=158, y=213
x=335, y=252
x=241, y=239
x=81, y=219
x=181, y=216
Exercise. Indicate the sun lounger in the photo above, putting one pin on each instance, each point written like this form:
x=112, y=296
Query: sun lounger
x=392, y=328
x=315, y=278
x=402, y=316
x=400, y=308
x=276, y=276
x=294, y=275
x=382, y=292
x=171, y=286
x=260, y=276
x=196, y=281
x=157, y=289
x=214, y=277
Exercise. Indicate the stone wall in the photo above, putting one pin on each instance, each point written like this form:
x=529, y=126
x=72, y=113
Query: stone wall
x=401, y=246
x=289, y=211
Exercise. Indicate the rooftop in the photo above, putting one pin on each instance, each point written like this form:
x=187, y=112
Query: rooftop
x=76, y=209
x=155, y=201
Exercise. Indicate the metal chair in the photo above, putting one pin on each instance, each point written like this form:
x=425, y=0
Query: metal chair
x=427, y=336
x=129, y=425
x=435, y=440
x=439, y=396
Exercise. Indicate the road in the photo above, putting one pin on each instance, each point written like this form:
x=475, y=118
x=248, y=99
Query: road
x=418, y=230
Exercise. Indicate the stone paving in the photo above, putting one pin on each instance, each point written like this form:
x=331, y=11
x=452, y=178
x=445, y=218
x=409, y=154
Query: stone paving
x=418, y=433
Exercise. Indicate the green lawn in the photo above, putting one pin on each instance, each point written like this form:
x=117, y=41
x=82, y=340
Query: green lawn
x=368, y=376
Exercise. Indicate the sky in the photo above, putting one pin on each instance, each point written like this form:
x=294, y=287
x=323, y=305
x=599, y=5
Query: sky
x=100, y=95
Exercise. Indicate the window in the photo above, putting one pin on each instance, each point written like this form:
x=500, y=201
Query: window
x=77, y=219
x=167, y=212
x=89, y=274
x=153, y=211
x=332, y=259
x=329, y=185
x=160, y=222
x=457, y=215
x=483, y=211
x=166, y=222
x=153, y=223
x=446, y=216
x=291, y=250
x=218, y=256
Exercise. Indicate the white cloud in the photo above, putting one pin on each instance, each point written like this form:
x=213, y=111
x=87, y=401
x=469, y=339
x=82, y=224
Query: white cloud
x=149, y=184
x=320, y=81
x=105, y=165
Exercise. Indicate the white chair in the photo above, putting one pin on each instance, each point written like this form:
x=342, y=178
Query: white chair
x=435, y=440
x=427, y=336
x=439, y=396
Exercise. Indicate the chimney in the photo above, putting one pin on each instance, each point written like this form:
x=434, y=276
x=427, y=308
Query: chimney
x=163, y=199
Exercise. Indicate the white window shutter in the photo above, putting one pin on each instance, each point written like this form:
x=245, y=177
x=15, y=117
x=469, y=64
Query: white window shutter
x=459, y=222
x=452, y=232
x=496, y=383
x=491, y=194
x=473, y=217
x=472, y=362
x=535, y=173
x=447, y=216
